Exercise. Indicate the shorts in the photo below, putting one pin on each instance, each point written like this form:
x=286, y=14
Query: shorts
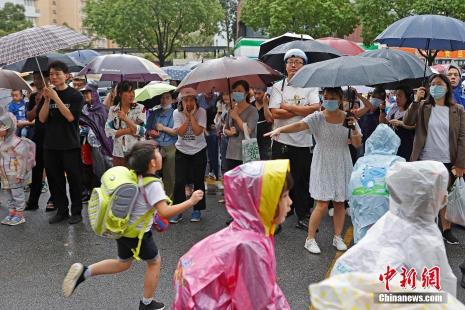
x=148, y=248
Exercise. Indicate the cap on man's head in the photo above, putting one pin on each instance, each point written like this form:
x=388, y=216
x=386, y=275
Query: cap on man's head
x=295, y=52
x=86, y=88
x=187, y=92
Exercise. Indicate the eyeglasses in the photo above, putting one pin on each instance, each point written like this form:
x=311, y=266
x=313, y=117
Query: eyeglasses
x=294, y=63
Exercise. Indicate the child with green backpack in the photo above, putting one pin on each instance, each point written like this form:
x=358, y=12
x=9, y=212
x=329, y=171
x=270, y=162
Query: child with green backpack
x=145, y=160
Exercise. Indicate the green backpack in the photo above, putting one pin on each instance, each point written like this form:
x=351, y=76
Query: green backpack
x=111, y=205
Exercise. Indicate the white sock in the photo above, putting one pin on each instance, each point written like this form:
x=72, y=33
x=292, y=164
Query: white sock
x=87, y=273
x=146, y=301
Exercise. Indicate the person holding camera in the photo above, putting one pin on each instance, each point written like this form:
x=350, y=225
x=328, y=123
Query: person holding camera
x=439, y=134
x=125, y=123
x=190, y=121
x=160, y=128
x=368, y=115
x=394, y=118
x=333, y=131
x=288, y=105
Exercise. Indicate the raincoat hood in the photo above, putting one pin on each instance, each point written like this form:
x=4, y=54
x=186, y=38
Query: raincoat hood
x=252, y=193
x=418, y=190
x=406, y=235
x=383, y=141
x=8, y=121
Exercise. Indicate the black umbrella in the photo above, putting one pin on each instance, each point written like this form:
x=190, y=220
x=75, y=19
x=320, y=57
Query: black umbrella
x=270, y=44
x=409, y=68
x=30, y=64
x=344, y=71
x=314, y=50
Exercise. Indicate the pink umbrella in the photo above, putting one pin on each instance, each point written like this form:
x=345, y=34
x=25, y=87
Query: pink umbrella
x=348, y=48
x=221, y=73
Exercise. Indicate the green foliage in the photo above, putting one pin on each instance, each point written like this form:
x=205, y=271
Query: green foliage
x=12, y=19
x=318, y=18
x=158, y=26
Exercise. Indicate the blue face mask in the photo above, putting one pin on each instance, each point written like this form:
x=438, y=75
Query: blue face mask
x=437, y=91
x=331, y=105
x=238, y=96
x=376, y=102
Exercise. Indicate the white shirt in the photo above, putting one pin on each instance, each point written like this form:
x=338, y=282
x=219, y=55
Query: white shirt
x=189, y=143
x=437, y=140
x=298, y=96
x=155, y=194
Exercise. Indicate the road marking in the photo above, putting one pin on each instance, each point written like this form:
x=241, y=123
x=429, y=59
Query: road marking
x=347, y=240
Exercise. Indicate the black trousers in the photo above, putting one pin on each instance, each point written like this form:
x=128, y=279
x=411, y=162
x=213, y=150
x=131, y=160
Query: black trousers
x=232, y=163
x=57, y=163
x=37, y=176
x=301, y=160
x=190, y=168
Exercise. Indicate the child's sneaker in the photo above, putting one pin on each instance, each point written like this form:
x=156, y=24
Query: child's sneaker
x=73, y=278
x=16, y=220
x=176, y=219
x=196, y=216
x=44, y=187
x=154, y=305
x=7, y=220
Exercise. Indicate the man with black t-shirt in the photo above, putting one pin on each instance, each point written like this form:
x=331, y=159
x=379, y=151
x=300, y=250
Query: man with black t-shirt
x=60, y=113
x=38, y=131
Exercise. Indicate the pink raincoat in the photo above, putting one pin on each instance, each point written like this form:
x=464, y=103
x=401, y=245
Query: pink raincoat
x=235, y=268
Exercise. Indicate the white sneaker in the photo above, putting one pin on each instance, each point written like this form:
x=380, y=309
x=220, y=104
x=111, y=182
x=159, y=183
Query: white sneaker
x=339, y=244
x=312, y=246
x=219, y=186
x=331, y=212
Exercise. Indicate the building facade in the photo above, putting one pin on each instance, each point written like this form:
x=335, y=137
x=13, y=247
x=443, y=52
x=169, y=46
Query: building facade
x=31, y=10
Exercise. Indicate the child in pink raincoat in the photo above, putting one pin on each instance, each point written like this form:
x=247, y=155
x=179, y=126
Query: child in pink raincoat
x=15, y=168
x=235, y=268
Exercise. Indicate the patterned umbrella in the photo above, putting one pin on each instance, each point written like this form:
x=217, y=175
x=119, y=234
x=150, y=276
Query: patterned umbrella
x=37, y=41
x=119, y=67
x=177, y=73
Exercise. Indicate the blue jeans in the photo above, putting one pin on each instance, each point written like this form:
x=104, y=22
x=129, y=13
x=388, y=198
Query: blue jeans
x=212, y=148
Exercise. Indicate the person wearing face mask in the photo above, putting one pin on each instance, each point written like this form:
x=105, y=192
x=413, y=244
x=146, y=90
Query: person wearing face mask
x=439, y=133
x=404, y=97
x=368, y=115
x=331, y=164
x=160, y=128
x=288, y=105
x=454, y=74
x=241, y=113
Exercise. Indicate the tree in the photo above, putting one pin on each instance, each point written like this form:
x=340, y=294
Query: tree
x=12, y=19
x=157, y=26
x=318, y=18
x=228, y=24
x=377, y=15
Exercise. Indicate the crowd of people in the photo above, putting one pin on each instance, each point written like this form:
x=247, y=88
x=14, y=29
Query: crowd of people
x=319, y=134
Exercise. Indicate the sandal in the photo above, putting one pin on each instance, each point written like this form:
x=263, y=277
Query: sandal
x=50, y=207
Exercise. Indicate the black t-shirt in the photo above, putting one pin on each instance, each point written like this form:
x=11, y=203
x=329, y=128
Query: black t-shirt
x=39, y=128
x=59, y=133
x=263, y=126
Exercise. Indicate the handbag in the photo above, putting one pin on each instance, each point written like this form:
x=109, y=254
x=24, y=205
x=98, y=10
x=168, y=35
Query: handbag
x=250, y=150
x=455, y=211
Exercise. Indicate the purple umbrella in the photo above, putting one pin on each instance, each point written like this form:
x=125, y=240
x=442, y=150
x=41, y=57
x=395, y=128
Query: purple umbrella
x=119, y=67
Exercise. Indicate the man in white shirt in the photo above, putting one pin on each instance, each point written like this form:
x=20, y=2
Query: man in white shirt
x=289, y=105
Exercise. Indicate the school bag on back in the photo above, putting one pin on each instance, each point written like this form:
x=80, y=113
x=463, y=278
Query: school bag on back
x=111, y=205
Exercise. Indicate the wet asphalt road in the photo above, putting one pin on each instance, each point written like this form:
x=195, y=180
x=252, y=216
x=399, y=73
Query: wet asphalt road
x=34, y=258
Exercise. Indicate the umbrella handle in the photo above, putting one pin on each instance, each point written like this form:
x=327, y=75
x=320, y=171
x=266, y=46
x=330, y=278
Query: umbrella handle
x=40, y=71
